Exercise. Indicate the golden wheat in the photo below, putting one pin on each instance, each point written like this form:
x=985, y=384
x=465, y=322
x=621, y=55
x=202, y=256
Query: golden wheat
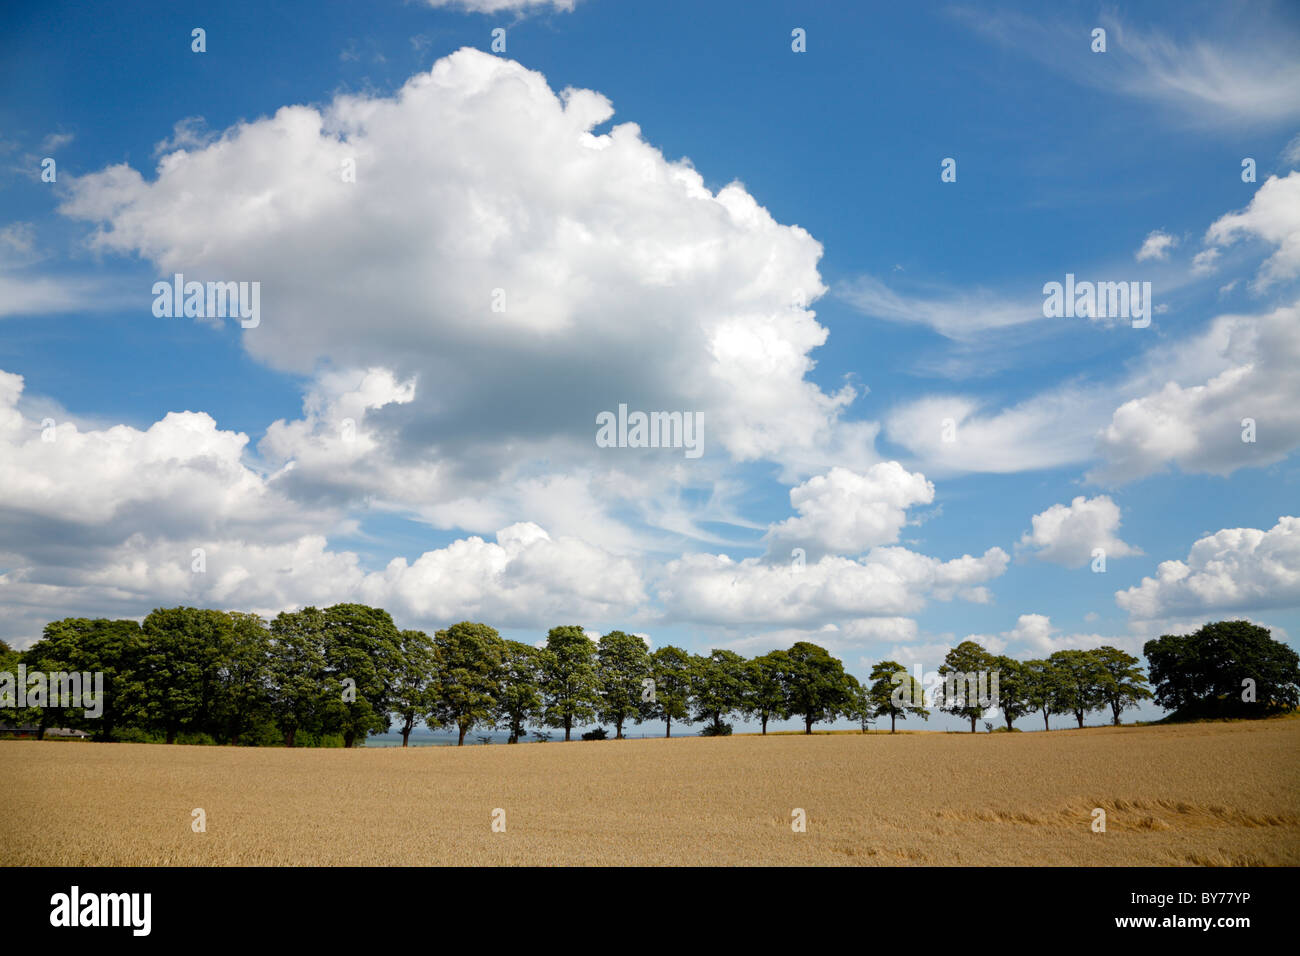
x=1200, y=794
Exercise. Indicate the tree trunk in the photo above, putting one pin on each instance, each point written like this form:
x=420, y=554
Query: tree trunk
x=1079, y=714
x=406, y=733
x=1115, y=711
x=765, y=725
x=568, y=726
x=1046, y=725
x=460, y=742
x=668, y=726
x=290, y=736
x=618, y=730
x=892, y=718
x=171, y=735
x=972, y=725
x=807, y=724
x=1008, y=717
x=349, y=738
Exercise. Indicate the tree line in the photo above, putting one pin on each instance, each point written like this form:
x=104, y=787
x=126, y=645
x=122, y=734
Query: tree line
x=347, y=671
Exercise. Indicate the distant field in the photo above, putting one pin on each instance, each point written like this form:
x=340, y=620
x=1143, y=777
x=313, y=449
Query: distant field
x=1198, y=794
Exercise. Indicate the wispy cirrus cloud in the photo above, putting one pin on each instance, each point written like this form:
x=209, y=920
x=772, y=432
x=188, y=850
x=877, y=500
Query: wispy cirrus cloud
x=953, y=314
x=1238, y=71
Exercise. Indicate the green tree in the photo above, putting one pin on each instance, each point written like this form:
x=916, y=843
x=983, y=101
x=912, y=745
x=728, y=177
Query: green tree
x=468, y=664
x=84, y=646
x=767, y=686
x=298, y=691
x=1041, y=695
x=818, y=690
x=179, y=668
x=895, y=692
x=519, y=700
x=570, y=686
x=861, y=707
x=1123, y=684
x=719, y=685
x=243, y=676
x=1079, y=679
x=414, y=681
x=967, y=687
x=671, y=671
x=1205, y=674
x=622, y=664
x=1015, y=689
x=362, y=647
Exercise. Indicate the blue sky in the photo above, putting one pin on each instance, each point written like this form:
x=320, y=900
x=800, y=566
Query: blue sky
x=770, y=246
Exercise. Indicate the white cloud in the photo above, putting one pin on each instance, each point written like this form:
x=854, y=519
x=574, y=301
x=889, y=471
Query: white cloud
x=1067, y=534
x=950, y=434
x=1203, y=263
x=106, y=522
x=955, y=315
x=1182, y=402
x=56, y=141
x=1250, y=361
x=1256, y=80
x=844, y=512
x=1239, y=72
x=1236, y=568
x=1273, y=216
x=887, y=582
x=1291, y=151
x=1156, y=246
x=624, y=278
x=1035, y=636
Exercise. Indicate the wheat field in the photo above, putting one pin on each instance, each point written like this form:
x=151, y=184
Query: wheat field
x=1199, y=794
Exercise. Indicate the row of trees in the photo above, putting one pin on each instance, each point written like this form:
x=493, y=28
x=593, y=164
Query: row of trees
x=347, y=671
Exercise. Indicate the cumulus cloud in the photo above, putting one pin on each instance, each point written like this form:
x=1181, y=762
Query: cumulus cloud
x=1232, y=569
x=1272, y=216
x=489, y=218
x=844, y=512
x=1201, y=426
x=1067, y=534
x=118, y=520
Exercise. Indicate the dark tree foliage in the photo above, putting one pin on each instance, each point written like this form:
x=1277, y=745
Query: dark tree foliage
x=1225, y=669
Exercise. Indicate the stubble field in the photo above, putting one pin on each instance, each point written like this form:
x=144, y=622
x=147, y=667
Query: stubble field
x=1201, y=794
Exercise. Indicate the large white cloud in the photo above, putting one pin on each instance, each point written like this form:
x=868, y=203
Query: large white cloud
x=623, y=278
x=1232, y=569
x=1067, y=534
